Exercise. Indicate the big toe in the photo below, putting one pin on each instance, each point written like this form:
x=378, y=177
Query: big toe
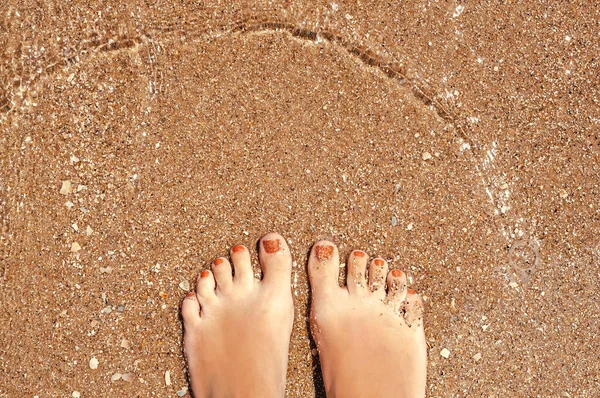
x=323, y=269
x=275, y=260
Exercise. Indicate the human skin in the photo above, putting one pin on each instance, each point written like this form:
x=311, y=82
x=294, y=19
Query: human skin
x=237, y=328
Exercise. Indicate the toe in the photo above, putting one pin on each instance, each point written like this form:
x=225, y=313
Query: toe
x=205, y=288
x=275, y=260
x=190, y=310
x=222, y=271
x=240, y=256
x=323, y=269
x=357, y=267
x=377, y=272
x=413, y=309
x=396, y=281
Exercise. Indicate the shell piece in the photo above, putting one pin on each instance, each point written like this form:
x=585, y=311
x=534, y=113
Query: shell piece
x=66, y=188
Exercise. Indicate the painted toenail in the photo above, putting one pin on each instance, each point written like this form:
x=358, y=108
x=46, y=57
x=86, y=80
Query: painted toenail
x=358, y=253
x=238, y=248
x=396, y=273
x=411, y=291
x=218, y=261
x=204, y=274
x=324, y=252
x=190, y=295
x=379, y=262
x=271, y=246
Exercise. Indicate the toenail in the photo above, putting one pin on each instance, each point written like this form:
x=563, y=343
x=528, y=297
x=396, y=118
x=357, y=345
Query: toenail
x=190, y=294
x=411, y=291
x=271, y=246
x=379, y=262
x=396, y=273
x=358, y=253
x=324, y=252
x=238, y=248
x=218, y=261
x=204, y=274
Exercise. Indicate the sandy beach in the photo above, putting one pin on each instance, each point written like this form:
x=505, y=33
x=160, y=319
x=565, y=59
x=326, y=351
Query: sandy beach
x=141, y=140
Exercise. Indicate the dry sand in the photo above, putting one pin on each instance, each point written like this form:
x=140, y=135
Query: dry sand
x=458, y=141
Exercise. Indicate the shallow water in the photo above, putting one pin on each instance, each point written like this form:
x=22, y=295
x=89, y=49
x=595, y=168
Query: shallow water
x=459, y=153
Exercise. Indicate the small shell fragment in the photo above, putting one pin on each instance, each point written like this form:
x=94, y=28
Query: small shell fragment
x=185, y=286
x=182, y=392
x=128, y=377
x=426, y=156
x=477, y=357
x=168, y=377
x=93, y=363
x=76, y=394
x=115, y=377
x=75, y=247
x=445, y=353
x=66, y=188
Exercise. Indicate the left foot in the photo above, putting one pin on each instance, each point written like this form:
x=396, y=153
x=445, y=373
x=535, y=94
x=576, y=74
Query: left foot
x=237, y=329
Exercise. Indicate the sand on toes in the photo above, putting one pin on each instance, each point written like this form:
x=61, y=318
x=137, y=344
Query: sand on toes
x=237, y=328
x=369, y=333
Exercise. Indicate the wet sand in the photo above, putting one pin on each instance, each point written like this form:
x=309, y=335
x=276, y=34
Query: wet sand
x=459, y=142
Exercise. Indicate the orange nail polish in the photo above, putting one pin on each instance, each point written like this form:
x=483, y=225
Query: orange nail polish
x=218, y=261
x=238, y=248
x=396, y=273
x=411, y=291
x=190, y=294
x=204, y=274
x=271, y=246
x=358, y=253
x=324, y=252
x=379, y=262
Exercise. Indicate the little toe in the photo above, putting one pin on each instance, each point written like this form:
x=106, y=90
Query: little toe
x=222, y=271
x=205, y=288
x=357, y=267
x=276, y=261
x=413, y=309
x=323, y=269
x=377, y=272
x=240, y=257
x=396, y=281
x=190, y=310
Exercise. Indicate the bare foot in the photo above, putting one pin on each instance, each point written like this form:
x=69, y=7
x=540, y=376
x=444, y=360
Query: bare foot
x=371, y=344
x=237, y=329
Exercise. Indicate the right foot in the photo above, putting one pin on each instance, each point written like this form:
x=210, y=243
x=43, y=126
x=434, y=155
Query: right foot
x=371, y=343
